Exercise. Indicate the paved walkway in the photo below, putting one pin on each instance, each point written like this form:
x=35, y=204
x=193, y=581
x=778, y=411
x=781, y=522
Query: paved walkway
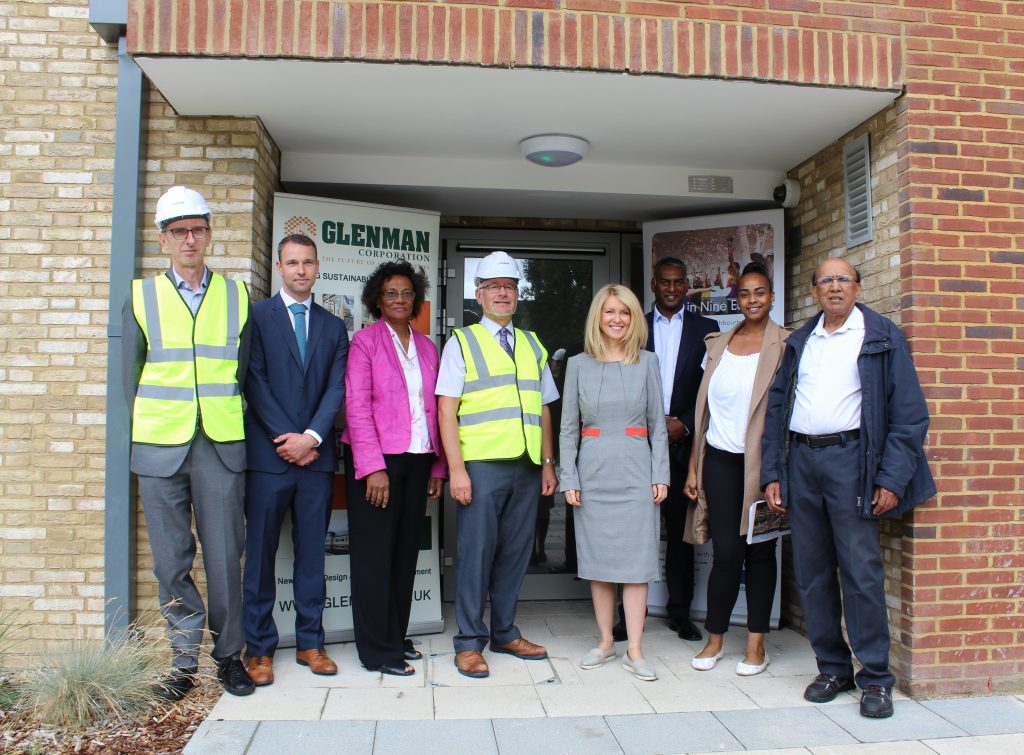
x=555, y=707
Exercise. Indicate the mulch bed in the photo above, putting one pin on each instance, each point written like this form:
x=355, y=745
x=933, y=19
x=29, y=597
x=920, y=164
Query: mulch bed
x=166, y=729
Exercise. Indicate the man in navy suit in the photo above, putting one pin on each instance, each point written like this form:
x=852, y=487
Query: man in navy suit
x=676, y=335
x=295, y=390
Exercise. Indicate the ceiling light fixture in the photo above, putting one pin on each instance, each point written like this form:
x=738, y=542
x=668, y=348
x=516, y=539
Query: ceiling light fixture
x=554, y=150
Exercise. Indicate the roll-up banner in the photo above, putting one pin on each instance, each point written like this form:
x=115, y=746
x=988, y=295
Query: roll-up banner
x=715, y=249
x=352, y=240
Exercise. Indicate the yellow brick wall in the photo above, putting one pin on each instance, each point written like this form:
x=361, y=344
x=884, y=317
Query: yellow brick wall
x=57, y=108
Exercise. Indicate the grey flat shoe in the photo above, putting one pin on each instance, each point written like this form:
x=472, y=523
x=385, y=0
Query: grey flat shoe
x=597, y=657
x=640, y=668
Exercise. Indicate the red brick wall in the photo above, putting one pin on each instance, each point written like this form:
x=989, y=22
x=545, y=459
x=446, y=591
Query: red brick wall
x=777, y=40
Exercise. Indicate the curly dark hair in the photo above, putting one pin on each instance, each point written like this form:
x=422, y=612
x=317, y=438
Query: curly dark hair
x=380, y=276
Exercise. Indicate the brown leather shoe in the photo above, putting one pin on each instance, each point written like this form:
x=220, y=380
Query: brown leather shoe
x=317, y=661
x=261, y=670
x=471, y=663
x=522, y=648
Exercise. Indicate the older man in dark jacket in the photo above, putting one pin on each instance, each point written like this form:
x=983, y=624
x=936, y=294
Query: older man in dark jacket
x=843, y=445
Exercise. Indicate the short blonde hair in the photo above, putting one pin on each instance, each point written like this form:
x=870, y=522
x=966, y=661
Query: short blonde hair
x=636, y=334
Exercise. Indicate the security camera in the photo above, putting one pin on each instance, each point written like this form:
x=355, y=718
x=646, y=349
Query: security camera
x=787, y=193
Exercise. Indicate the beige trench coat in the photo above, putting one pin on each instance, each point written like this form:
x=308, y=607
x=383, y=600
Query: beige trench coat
x=772, y=347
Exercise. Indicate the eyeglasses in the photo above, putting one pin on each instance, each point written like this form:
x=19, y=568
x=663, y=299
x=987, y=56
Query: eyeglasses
x=493, y=288
x=180, y=234
x=392, y=295
x=828, y=280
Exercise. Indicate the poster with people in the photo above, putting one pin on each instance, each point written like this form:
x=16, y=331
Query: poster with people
x=353, y=239
x=715, y=249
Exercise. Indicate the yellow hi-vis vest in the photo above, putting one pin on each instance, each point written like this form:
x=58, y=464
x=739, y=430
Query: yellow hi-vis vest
x=499, y=415
x=191, y=371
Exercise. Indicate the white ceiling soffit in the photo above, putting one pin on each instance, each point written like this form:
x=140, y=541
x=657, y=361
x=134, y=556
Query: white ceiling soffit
x=447, y=137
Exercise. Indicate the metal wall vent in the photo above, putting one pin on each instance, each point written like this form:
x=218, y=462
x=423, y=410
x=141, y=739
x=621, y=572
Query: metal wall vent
x=857, y=185
x=711, y=184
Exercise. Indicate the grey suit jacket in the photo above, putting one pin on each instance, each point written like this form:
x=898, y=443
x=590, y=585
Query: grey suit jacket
x=163, y=461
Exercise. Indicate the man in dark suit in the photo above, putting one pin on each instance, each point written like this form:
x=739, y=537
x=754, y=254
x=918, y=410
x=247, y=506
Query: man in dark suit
x=295, y=390
x=676, y=335
x=185, y=340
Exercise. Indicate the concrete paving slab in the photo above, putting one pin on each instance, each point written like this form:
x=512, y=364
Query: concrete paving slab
x=996, y=744
x=435, y=738
x=672, y=733
x=566, y=736
x=270, y=704
x=487, y=702
x=221, y=738
x=783, y=727
x=781, y=751
x=875, y=748
x=783, y=691
x=909, y=721
x=379, y=704
x=561, y=700
x=350, y=737
x=675, y=696
x=982, y=715
x=290, y=675
x=505, y=671
x=419, y=679
x=567, y=625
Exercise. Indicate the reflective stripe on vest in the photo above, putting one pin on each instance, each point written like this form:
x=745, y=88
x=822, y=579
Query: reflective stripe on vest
x=190, y=375
x=500, y=410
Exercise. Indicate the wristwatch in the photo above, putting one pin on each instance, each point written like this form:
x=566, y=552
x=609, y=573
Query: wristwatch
x=548, y=460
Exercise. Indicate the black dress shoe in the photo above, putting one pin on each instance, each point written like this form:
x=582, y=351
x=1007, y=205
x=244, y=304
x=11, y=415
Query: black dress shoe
x=397, y=668
x=233, y=677
x=411, y=653
x=176, y=684
x=876, y=702
x=825, y=687
x=685, y=630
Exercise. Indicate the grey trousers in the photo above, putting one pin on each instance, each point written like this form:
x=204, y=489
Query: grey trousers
x=829, y=536
x=207, y=489
x=495, y=540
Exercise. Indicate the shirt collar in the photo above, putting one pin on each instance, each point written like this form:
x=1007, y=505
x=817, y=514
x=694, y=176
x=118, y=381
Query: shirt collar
x=493, y=327
x=659, y=317
x=178, y=280
x=288, y=300
x=854, y=322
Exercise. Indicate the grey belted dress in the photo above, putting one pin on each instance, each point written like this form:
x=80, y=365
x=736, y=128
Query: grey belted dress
x=613, y=447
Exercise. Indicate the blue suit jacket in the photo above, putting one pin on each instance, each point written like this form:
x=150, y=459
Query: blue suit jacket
x=688, y=374
x=286, y=396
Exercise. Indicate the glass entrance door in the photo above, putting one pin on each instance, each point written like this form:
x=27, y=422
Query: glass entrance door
x=561, y=273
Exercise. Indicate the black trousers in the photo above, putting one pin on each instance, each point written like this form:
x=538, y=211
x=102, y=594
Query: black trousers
x=678, y=553
x=723, y=486
x=383, y=549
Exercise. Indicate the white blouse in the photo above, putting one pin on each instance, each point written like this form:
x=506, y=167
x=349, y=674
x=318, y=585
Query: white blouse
x=729, y=392
x=419, y=438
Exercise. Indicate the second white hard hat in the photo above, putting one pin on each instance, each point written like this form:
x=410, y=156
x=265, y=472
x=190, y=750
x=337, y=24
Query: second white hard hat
x=498, y=265
x=180, y=202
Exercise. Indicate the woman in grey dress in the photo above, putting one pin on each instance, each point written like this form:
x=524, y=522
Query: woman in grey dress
x=614, y=467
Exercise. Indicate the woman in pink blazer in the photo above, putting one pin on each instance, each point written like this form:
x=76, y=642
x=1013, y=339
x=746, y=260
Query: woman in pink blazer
x=393, y=462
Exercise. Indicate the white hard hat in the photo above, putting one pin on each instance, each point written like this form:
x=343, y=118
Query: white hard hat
x=180, y=202
x=498, y=265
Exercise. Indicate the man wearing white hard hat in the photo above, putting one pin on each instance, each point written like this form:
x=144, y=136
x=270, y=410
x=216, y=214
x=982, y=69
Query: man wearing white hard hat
x=493, y=388
x=184, y=354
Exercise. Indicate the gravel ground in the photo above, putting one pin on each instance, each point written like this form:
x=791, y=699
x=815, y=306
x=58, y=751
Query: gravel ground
x=165, y=729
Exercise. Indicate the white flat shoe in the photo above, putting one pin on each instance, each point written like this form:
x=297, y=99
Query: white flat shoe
x=706, y=664
x=747, y=669
x=640, y=668
x=597, y=657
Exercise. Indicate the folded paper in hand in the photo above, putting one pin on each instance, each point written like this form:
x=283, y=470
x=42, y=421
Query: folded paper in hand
x=765, y=524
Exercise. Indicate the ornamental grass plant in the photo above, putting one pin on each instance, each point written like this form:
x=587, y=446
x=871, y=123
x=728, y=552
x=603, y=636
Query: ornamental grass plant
x=88, y=681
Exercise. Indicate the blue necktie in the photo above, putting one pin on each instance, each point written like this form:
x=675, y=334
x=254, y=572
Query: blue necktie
x=299, y=311
x=503, y=340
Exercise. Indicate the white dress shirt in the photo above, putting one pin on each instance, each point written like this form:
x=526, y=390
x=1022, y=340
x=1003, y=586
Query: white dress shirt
x=668, y=332
x=288, y=301
x=828, y=382
x=419, y=437
x=451, y=375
